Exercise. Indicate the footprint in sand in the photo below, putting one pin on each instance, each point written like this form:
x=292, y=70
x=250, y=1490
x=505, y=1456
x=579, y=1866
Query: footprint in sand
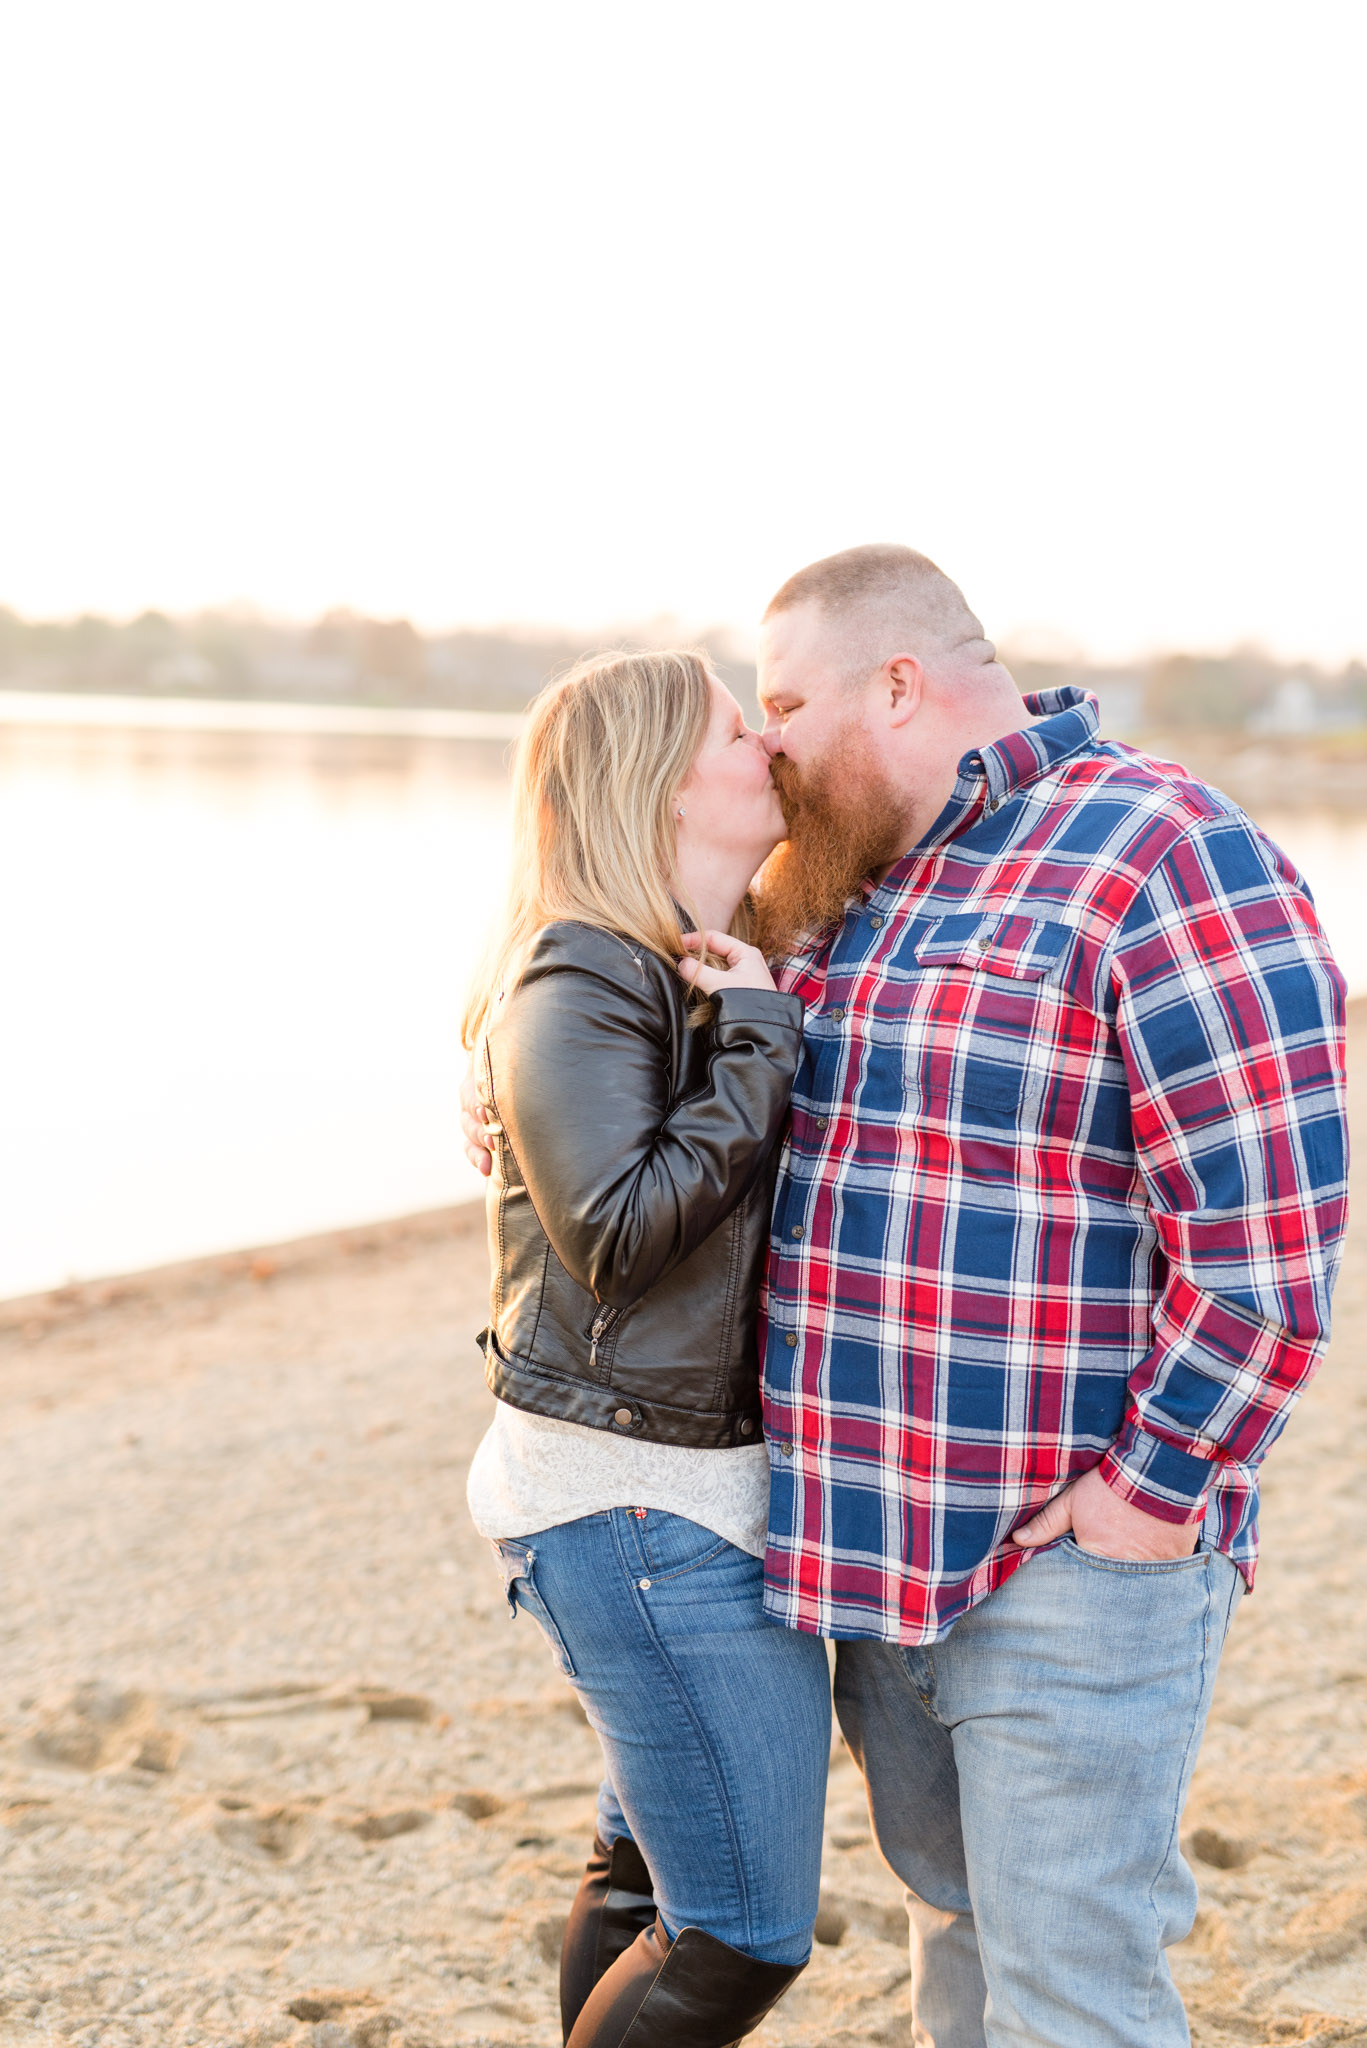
x=160, y=1751
x=383, y=1704
x=96, y=1725
x=273, y=1835
x=478, y=1805
x=1222, y=1852
x=319, y=2008
x=383, y=1827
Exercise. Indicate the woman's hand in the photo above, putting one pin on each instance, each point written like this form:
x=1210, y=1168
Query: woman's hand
x=744, y=967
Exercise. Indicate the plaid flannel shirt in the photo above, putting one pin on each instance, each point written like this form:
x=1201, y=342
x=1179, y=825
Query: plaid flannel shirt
x=1065, y=1185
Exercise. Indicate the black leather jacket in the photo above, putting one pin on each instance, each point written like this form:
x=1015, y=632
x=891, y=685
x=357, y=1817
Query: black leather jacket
x=634, y=1162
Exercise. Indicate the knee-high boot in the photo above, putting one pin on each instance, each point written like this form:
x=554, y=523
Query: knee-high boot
x=694, y=1992
x=615, y=1902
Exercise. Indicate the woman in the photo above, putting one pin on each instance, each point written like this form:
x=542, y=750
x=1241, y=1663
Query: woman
x=635, y=1094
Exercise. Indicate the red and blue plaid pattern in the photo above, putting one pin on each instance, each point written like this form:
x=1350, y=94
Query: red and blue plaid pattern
x=1065, y=1184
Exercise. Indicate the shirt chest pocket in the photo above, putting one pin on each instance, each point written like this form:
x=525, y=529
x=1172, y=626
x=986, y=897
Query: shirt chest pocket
x=980, y=1054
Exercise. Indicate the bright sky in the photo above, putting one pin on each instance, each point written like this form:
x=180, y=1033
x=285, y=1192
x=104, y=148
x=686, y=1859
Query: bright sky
x=586, y=311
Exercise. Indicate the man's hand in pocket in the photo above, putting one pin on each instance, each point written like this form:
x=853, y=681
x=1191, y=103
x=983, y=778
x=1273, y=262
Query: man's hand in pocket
x=1101, y=1521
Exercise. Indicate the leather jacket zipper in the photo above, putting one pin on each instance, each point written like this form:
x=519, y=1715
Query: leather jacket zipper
x=600, y=1324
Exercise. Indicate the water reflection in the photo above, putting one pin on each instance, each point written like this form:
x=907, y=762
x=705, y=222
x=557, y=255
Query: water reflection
x=235, y=972
x=1330, y=849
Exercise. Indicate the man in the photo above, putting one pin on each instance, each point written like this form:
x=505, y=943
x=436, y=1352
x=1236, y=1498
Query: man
x=1053, y=1244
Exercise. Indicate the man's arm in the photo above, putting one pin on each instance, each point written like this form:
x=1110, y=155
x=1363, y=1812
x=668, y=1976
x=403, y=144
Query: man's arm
x=1231, y=1025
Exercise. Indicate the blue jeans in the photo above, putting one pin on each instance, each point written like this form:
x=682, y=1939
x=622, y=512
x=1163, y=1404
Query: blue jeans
x=1026, y=1777
x=715, y=1723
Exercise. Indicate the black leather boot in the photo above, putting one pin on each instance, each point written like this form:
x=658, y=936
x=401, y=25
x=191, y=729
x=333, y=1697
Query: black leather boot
x=696, y=1992
x=615, y=1902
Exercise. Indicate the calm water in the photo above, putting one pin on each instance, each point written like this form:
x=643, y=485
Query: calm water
x=233, y=978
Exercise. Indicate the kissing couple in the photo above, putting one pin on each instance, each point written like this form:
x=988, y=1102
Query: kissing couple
x=919, y=1249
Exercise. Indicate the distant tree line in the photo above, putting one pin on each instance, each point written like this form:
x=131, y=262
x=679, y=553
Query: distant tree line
x=345, y=657
x=1246, y=691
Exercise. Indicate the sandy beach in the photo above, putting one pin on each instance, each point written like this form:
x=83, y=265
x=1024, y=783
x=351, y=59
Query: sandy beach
x=275, y=1767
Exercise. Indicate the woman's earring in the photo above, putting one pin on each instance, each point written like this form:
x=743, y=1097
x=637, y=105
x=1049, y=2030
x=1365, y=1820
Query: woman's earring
x=681, y=810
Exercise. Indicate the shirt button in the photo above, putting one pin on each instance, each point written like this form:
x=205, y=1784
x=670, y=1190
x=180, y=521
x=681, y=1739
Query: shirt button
x=622, y=1416
x=747, y=1427
x=787, y=1450
x=822, y=1122
x=790, y=1340
x=644, y=1585
x=983, y=945
x=798, y=1230
x=836, y=1014
x=877, y=923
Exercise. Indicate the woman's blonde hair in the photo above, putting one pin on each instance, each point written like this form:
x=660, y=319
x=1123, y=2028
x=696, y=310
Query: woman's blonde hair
x=596, y=778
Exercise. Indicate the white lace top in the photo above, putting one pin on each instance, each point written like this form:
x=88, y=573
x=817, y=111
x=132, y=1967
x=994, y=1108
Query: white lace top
x=533, y=1472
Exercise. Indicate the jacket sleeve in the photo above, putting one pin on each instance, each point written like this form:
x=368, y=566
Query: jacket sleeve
x=577, y=1072
x=1231, y=1026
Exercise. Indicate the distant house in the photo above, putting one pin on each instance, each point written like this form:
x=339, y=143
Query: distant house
x=1297, y=707
x=1293, y=708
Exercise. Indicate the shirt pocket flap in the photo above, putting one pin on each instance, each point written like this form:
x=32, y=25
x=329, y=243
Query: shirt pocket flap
x=1021, y=948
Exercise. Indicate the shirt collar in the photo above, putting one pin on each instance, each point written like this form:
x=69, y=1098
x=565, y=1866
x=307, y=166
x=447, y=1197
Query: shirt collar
x=1067, y=727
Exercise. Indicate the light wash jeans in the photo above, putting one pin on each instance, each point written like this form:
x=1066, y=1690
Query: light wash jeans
x=715, y=1723
x=1026, y=1777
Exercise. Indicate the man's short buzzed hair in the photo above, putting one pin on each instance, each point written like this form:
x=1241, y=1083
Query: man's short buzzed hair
x=885, y=589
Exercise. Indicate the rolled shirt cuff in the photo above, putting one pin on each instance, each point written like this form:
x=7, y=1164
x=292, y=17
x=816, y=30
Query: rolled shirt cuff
x=1163, y=1478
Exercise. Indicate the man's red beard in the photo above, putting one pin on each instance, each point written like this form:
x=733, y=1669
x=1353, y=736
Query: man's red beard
x=845, y=823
